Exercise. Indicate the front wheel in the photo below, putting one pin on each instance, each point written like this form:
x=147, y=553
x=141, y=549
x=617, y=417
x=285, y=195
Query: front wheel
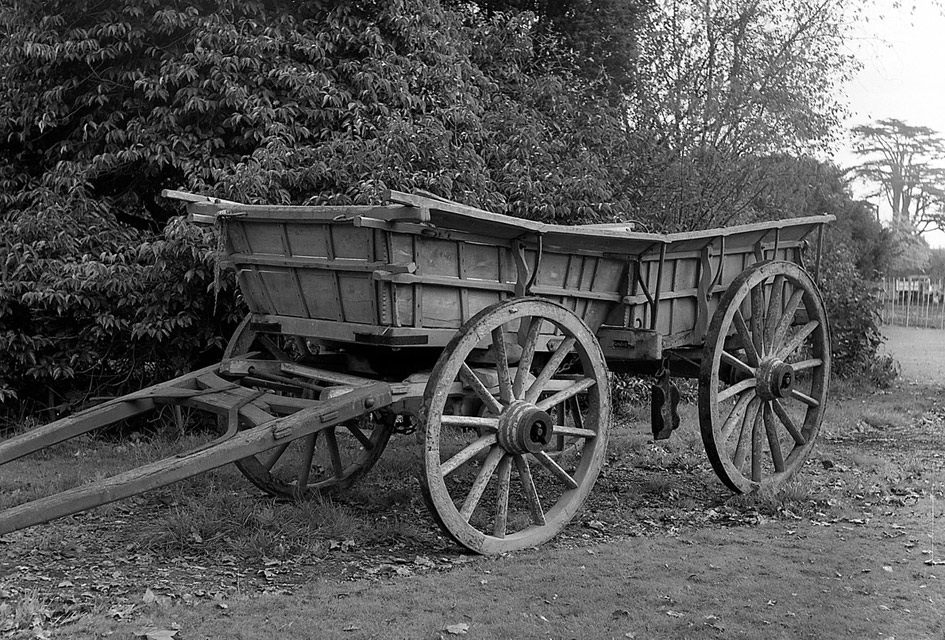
x=329, y=460
x=764, y=375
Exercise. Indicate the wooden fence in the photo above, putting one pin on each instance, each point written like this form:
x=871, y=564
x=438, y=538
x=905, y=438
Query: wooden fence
x=917, y=301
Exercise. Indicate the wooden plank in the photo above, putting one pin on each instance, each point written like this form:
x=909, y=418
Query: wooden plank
x=193, y=197
x=245, y=443
x=348, y=331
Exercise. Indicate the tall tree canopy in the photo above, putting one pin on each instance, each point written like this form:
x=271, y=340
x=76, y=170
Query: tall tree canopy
x=907, y=165
x=719, y=84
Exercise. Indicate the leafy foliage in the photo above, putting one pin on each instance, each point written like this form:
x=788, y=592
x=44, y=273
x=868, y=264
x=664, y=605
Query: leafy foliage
x=856, y=250
x=106, y=104
x=719, y=85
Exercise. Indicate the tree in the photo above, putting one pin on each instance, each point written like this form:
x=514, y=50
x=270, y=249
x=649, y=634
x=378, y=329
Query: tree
x=722, y=83
x=104, y=104
x=905, y=163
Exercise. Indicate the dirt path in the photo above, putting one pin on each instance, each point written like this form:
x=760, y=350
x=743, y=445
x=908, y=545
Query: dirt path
x=921, y=352
x=853, y=550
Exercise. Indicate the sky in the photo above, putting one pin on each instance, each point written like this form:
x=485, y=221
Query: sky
x=903, y=75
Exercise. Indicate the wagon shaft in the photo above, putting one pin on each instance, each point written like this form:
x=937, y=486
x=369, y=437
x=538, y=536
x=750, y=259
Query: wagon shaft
x=269, y=433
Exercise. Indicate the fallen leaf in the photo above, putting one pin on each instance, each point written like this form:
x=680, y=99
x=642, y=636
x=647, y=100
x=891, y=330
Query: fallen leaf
x=156, y=634
x=119, y=611
x=459, y=629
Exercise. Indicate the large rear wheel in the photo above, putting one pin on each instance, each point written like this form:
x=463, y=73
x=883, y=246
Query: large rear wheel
x=516, y=412
x=764, y=375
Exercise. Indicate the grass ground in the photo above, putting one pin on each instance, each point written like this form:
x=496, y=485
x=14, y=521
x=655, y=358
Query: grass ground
x=851, y=550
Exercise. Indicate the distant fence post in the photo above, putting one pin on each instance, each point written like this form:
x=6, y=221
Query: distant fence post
x=913, y=302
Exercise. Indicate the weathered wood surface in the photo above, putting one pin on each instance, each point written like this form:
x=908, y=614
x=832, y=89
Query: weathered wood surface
x=357, y=274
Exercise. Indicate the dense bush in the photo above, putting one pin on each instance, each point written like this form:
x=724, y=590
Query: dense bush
x=856, y=248
x=89, y=308
x=853, y=308
x=103, y=105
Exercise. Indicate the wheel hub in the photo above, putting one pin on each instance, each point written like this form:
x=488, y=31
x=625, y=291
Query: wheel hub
x=524, y=428
x=775, y=379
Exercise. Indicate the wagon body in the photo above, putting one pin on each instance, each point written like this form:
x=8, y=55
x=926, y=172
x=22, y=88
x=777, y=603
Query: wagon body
x=497, y=335
x=411, y=275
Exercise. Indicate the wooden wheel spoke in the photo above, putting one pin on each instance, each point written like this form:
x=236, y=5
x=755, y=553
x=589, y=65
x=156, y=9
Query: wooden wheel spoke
x=530, y=344
x=334, y=453
x=502, y=497
x=787, y=319
x=305, y=469
x=568, y=392
x=735, y=418
x=550, y=369
x=757, y=434
x=561, y=430
x=797, y=339
x=502, y=365
x=743, y=443
x=774, y=443
x=482, y=480
x=788, y=422
x=736, y=388
x=803, y=365
x=531, y=494
x=359, y=436
x=274, y=458
x=556, y=470
x=806, y=399
x=775, y=300
x=757, y=319
x=470, y=422
x=744, y=335
x=473, y=382
x=576, y=415
x=732, y=361
x=467, y=453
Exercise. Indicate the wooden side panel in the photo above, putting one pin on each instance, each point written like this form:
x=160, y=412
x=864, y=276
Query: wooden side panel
x=282, y=290
x=320, y=289
x=251, y=287
x=307, y=240
x=263, y=238
x=357, y=297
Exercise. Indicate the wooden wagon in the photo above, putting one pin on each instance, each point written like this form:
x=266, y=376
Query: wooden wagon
x=497, y=337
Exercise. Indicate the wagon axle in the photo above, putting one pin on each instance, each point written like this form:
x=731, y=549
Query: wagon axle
x=775, y=379
x=524, y=428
